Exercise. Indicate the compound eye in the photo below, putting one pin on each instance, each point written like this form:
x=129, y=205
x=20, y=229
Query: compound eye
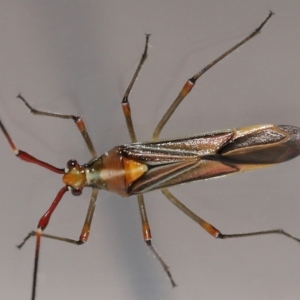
x=76, y=192
x=71, y=163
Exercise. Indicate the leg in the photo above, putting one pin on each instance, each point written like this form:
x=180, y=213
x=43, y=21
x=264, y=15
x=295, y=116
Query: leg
x=46, y=217
x=125, y=102
x=214, y=231
x=78, y=121
x=148, y=237
x=43, y=224
x=127, y=113
x=192, y=81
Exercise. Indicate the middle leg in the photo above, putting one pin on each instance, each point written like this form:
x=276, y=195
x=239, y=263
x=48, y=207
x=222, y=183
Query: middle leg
x=142, y=208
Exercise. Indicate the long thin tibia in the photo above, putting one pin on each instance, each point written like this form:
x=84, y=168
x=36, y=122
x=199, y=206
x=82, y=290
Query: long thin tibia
x=125, y=101
x=192, y=81
x=85, y=228
x=147, y=237
x=78, y=121
x=214, y=231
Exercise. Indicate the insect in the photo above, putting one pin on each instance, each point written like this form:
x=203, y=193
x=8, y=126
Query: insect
x=137, y=168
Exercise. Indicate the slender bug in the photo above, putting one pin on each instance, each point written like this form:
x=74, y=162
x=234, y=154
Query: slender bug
x=136, y=168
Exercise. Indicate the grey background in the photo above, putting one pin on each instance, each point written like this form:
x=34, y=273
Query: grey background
x=78, y=57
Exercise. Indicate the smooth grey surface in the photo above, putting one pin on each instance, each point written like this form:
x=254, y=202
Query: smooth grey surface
x=78, y=57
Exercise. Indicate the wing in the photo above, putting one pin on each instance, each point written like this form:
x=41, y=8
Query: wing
x=208, y=155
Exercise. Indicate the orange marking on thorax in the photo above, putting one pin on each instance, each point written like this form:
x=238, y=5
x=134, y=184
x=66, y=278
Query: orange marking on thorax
x=133, y=170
